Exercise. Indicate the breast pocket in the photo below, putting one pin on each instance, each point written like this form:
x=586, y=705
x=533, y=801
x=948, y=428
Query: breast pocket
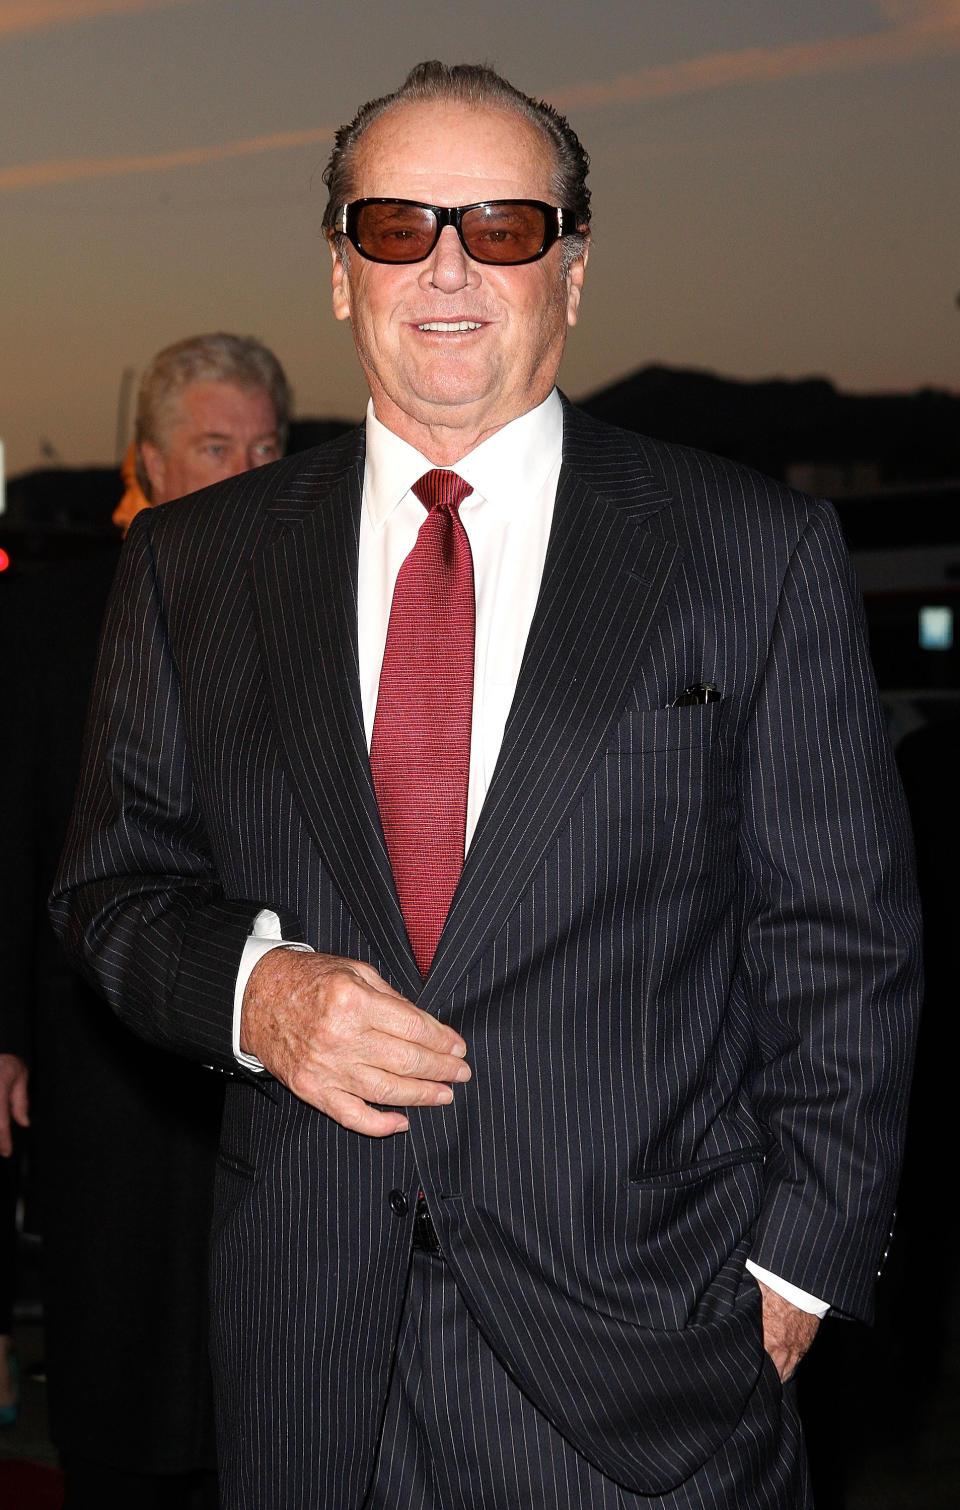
x=669, y=789
x=652, y=729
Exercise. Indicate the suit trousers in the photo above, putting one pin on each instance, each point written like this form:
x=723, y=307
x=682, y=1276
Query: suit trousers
x=459, y=1434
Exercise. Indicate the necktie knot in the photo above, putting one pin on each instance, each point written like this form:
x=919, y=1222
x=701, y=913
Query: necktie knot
x=441, y=488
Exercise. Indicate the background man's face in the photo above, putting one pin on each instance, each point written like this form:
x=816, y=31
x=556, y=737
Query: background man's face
x=218, y=430
x=471, y=380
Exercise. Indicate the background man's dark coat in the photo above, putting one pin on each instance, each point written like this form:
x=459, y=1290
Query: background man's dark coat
x=125, y=1134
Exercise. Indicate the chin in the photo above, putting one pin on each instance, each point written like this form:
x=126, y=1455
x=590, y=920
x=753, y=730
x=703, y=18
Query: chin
x=454, y=390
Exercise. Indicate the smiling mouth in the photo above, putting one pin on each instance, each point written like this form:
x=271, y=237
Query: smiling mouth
x=446, y=327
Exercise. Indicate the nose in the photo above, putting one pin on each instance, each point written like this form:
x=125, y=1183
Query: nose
x=448, y=267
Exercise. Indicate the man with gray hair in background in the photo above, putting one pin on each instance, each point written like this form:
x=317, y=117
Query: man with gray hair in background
x=126, y=1134
x=209, y=407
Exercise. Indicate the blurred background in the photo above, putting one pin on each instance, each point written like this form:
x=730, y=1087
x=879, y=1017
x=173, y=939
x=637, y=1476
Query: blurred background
x=775, y=194
x=774, y=275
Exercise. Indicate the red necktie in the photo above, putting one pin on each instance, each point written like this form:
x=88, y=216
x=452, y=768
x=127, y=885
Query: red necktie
x=420, y=749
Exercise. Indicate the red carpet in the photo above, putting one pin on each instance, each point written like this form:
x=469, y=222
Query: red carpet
x=30, y=1486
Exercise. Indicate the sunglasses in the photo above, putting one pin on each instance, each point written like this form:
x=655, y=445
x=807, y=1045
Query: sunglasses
x=505, y=232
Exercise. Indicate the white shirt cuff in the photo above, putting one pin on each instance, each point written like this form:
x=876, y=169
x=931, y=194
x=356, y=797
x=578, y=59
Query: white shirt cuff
x=798, y=1298
x=266, y=935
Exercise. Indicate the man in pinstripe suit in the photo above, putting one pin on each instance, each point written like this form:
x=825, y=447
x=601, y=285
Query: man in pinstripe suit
x=681, y=956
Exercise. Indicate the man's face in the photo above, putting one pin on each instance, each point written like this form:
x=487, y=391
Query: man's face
x=445, y=390
x=218, y=430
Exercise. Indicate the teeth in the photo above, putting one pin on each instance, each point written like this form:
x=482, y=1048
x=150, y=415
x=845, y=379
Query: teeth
x=447, y=325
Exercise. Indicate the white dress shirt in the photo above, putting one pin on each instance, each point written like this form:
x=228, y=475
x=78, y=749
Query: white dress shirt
x=507, y=519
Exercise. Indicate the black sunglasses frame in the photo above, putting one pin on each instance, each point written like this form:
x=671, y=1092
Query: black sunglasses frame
x=558, y=221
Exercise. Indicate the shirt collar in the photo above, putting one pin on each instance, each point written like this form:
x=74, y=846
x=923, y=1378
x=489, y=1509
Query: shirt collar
x=512, y=464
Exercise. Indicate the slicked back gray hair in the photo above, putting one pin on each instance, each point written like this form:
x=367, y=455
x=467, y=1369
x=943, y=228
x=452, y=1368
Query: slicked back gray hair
x=466, y=84
x=219, y=358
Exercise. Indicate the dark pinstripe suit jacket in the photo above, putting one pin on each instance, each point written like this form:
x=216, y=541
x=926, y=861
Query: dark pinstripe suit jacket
x=683, y=951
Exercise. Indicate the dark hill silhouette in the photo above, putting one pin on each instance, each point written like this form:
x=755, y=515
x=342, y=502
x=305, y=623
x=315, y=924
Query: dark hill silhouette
x=786, y=428
x=778, y=424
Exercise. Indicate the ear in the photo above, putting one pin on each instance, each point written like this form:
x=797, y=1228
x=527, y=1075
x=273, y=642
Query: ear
x=156, y=468
x=575, y=284
x=341, y=285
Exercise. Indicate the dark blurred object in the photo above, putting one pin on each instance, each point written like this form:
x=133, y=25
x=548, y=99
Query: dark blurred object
x=889, y=462
x=788, y=428
x=924, y=514
x=31, y=548
x=905, y=543
x=891, y=1439
x=58, y=514
x=125, y=1135
x=65, y=498
x=305, y=433
x=25, y=1485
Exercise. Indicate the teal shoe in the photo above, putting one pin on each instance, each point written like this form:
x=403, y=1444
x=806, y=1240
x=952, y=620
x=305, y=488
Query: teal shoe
x=9, y=1413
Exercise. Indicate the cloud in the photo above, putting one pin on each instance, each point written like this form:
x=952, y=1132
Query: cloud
x=928, y=29
x=73, y=169
x=914, y=29
x=37, y=15
x=906, y=11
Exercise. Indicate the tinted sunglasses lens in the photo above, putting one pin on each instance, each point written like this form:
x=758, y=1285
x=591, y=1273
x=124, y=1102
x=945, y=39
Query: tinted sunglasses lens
x=497, y=232
x=504, y=232
x=395, y=232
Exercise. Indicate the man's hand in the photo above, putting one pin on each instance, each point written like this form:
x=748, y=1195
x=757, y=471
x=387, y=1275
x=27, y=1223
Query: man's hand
x=339, y=1037
x=787, y=1331
x=14, y=1103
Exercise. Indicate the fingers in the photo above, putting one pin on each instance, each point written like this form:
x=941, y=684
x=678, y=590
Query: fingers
x=341, y=1038
x=20, y=1102
x=371, y=1064
x=787, y=1331
x=354, y=1114
x=390, y=1035
x=373, y=1082
x=13, y=1099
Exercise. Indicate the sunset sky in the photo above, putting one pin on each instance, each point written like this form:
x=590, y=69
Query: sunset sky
x=775, y=186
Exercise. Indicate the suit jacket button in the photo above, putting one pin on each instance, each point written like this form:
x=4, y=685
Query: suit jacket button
x=399, y=1204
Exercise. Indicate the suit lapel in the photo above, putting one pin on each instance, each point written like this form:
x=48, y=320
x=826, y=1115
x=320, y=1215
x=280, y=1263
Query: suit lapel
x=607, y=571
x=305, y=590
x=605, y=577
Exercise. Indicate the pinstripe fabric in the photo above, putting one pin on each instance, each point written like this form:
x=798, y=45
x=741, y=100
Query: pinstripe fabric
x=460, y=1435
x=684, y=956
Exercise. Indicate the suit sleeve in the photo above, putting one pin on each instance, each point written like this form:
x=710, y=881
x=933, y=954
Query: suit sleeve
x=830, y=959
x=137, y=901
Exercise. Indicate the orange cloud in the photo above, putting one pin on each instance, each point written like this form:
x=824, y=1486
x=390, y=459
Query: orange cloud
x=903, y=12
x=915, y=29
x=37, y=15
x=928, y=30
x=72, y=169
